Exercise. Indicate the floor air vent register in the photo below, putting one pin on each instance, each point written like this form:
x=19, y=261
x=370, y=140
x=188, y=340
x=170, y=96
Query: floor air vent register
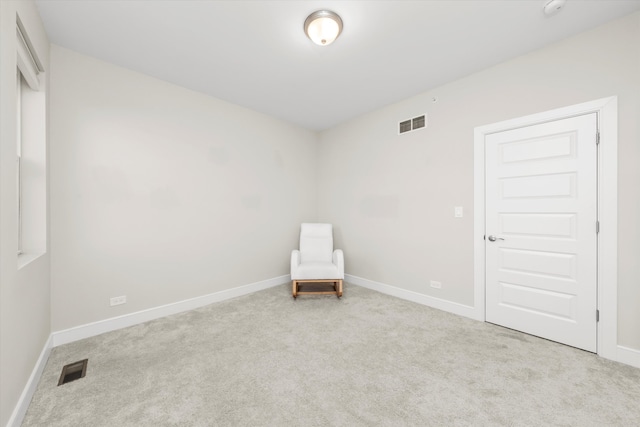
x=73, y=371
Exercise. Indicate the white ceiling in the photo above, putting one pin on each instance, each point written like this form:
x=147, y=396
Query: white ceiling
x=255, y=53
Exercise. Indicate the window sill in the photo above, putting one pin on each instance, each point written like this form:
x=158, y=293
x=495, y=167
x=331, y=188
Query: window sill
x=25, y=259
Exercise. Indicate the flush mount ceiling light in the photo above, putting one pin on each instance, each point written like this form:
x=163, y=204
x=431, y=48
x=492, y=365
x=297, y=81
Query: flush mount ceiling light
x=323, y=27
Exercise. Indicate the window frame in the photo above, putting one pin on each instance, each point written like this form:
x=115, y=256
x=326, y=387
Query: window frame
x=19, y=78
x=31, y=146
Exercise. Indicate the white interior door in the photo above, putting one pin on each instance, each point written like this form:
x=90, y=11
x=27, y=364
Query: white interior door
x=541, y=239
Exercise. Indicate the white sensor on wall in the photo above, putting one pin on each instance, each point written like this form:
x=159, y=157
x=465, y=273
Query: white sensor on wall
x=553, y=6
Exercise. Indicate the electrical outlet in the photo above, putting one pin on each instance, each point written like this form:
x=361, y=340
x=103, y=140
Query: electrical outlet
x=118, y=300
x=436, y=285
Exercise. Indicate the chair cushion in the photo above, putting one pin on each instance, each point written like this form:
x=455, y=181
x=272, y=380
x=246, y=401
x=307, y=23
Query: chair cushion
x=316, y=242
x=316, y=271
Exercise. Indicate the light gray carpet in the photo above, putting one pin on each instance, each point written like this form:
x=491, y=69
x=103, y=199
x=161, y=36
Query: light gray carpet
x=365, y=360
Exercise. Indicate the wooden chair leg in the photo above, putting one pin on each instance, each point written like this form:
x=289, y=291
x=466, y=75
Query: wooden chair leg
x=339, y=290
x=294, y=289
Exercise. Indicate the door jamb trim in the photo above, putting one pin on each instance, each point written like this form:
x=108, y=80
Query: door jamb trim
x=607, y=113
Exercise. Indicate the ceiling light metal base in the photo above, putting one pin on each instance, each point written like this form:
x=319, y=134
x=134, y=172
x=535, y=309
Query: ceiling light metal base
x=323, y=27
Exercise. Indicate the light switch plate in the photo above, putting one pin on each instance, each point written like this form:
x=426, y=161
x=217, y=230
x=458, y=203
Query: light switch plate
x=457, y=212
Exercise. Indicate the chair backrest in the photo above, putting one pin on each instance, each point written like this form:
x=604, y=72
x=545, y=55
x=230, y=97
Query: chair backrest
x=316, y=242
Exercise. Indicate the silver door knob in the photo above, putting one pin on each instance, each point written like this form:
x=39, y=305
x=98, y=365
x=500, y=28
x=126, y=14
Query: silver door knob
x=494, y=238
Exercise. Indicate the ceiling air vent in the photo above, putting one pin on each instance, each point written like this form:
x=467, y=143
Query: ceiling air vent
x=413, y=124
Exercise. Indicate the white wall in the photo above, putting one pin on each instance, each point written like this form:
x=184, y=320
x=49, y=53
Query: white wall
x=24, y=292
x=391, y=198
x=164, y=194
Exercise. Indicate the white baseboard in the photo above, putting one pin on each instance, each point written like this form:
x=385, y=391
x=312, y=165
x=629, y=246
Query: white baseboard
x=115, y=323
x=440, y=304
x=21, y=407
x=628, y=356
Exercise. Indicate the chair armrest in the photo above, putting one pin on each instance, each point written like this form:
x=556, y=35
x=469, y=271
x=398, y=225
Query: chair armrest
x=295, y=260
x=338, y=260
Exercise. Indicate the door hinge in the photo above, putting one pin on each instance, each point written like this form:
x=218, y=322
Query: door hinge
x=597, y=315
x=597, y=227
x=597, y=137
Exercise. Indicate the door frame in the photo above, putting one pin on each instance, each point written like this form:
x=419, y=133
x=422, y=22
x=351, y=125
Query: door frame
x=607, y=202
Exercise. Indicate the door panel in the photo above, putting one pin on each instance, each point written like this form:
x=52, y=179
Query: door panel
x=541, y=207
x=546, y=303
x=540, y=263
x=538, y=224
x=556, y=185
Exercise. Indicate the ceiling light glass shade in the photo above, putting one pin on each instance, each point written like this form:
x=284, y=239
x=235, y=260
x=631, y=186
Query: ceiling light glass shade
x=323, y=27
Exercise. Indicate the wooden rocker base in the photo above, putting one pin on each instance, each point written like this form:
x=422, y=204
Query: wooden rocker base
x=317, y=287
